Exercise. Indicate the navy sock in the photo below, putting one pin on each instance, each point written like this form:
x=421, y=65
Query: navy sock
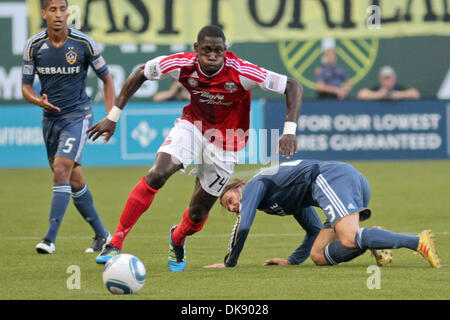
x=83, y=201
x=60, y=200
x=375, y=238
x=335, y=253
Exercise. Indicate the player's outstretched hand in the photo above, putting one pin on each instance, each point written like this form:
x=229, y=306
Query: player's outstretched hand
x=276, y=262
x=104, y=127
x=216, y=265
x=43, y=102
x=287, y=145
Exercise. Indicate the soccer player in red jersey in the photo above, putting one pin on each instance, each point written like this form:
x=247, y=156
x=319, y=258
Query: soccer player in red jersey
x=212, y=129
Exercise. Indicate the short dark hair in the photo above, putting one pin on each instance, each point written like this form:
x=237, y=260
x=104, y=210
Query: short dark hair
x=46, y=2
x=210, y=31
x=233, y=184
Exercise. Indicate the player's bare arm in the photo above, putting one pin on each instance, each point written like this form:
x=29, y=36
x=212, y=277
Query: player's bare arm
x=107, y=126
x=215, y=266
x=277, y=262
x=41, y=101
x=288, y=141
x=109, y=93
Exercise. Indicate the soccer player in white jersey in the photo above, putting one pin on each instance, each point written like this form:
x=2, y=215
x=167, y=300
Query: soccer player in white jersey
x=213, y=127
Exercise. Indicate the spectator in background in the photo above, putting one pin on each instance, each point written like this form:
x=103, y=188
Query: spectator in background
x=332, y=81
x=175, y=92
x=388, y=88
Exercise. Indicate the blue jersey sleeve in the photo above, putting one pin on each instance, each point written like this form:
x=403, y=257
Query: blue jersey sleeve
x=252, y=194
x=28, y=72
x=28, y=67
x=95, y=58
x=99, y=65
x=310, y=222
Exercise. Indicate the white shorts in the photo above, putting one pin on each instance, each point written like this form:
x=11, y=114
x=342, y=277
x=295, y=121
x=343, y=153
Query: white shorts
x=213, y=166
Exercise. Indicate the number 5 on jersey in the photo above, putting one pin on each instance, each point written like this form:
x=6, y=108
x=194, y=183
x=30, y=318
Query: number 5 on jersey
x=69, y=145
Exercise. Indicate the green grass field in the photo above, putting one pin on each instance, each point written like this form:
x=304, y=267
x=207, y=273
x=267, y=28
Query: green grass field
x=407, y=197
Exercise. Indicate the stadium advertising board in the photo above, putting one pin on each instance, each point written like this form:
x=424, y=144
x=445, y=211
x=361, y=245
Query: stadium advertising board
x=349, y=130
x=370, y=130
x=172, y=22
x=141, y=130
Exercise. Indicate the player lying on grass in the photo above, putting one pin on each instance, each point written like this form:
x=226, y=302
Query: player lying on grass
x=219, y=84
x=305, y=216
x=339, y=190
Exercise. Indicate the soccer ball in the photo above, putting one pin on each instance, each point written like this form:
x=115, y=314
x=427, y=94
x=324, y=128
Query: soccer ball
x=124, y=274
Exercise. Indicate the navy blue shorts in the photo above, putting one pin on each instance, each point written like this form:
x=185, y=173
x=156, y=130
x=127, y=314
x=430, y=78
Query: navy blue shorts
x=66, y=137
x=340, y=190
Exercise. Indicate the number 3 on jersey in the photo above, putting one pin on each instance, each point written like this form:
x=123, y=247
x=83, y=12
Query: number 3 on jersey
x=330, y=212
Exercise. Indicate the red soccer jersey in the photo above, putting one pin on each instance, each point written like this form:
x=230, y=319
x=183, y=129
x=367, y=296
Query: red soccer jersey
x=220, y=103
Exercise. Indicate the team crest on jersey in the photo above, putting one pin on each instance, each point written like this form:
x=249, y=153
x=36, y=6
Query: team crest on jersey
x=193, y=82
x=71, y=57
x=230, y=86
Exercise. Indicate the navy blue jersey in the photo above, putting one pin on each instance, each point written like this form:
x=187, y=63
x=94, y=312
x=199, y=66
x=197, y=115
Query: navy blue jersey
x=62, y=71
x=331, y=75
x=287, y=187
x=282, y=190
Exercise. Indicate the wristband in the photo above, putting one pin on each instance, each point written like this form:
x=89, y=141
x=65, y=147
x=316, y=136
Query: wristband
x=114, y=114
x=290, y=128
